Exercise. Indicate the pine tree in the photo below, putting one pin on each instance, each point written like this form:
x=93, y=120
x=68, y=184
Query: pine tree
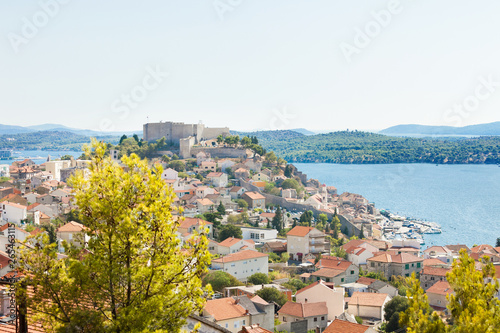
x=278, y=219
x=221, y=209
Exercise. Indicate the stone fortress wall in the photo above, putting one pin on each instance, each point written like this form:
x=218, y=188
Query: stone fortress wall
x=175, y=132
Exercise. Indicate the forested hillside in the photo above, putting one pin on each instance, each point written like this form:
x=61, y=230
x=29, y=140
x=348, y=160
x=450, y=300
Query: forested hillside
x=47, y=140
x=362, y=147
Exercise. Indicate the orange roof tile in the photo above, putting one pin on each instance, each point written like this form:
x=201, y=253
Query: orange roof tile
x=71, y=227
x=328, y=272
x=440, y=288
x=254, y=195
x=366, y=280
x=255, y=328
x=299, y=231
x=402, y=258
x=242, y=255
x=224, y=308
x=304, y=310
x=438, y=271
x=230, y=241
x=367, y=299
x=343, y=326
x=433, y=262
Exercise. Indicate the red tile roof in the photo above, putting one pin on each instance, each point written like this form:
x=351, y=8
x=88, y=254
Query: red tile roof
x=328, y=272
x=366, y=280
x=434, y=262
x=304, y=310
x=440, y=288
x=367, y=299
x=402, y=258
x=191, y=221
x=224, y=308
x=230, y=241
x=342, y=326
x=254, y=329
x=71, y=226
x=299, y=231
x=242, y=255
x=254, y=195
x=438, y=271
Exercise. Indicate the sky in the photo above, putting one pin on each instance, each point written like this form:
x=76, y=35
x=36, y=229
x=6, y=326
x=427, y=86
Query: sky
x=322, y=65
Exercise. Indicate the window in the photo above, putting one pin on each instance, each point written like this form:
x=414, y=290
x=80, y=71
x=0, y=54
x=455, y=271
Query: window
x=243, y=322
x=372, y=264
x=232, y=265
x=412, y=265
x=262, y=236
x=432, y=278
x=252, y=235
x=244, y=262
x=323, y=318
x=352, y=272
x=315, y=319
x=284, y=319
x=418, y=265
x=407, y=274
x=342, y=280
x=227, y=325
x=407, y=266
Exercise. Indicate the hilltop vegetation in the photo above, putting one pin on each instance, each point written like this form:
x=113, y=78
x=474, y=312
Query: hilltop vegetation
x=362, y=147
x=47, y=140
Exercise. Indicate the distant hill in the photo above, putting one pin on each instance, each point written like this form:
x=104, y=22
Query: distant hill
x=49, y=140
x=355, y=147
x=422, y=130
x=271, y=135
x=8, y=129
x=303, y=131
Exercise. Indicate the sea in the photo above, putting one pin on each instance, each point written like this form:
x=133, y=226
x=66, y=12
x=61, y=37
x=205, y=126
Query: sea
x=39, y=156
x=464, y=199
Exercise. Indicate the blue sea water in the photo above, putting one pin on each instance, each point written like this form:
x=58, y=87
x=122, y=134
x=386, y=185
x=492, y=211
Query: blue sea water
x=463, y=199
x=39, y=156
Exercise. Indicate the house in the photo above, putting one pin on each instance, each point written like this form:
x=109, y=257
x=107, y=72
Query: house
x=259, y=234
x=266, y=217
x=382, y=287
x=218, y=179
x=274, y=247
x=170, y=174
x=5, y=232
x=254, y=199
x=359, y=250
x=368, y=305
x=261, y=177
x=315, y=314
x=71, y=231
x=208, y=166
x=455, y=249
x=242, y=264
x=224, y=164
x=251, y=290
x=4, y=263
x=203, y=191
x=303, y=240
x=436, y=295
x=12, y=212
x=241, y=173
x=439, y=252
x=400, y=264
x=236, y=192
x=191, y=224
x=204, y=205
x=254, y=329
x=321, y=291
x=336, y=270
x=45, y=199
x=233, y=313
x=233, y=245
x=15, y=198
x=344, y=326
x=430, y=275
x=202, y=157
x=435, y=263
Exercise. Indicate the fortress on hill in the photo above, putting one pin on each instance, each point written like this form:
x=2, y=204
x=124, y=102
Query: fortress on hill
x=183, y=136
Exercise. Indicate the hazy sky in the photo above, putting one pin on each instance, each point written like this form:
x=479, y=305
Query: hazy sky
x=259, y=64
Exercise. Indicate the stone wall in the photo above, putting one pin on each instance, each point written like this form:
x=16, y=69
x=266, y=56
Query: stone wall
x=174, y=132
x=221, y=152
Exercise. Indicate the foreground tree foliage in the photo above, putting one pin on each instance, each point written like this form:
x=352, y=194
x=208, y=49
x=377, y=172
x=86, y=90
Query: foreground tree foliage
x=473, y=304
x=133, y=275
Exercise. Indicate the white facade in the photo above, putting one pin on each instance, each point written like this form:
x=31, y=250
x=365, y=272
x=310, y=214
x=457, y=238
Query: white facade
x=334, y=298
x=170, y=174
x=259, y=234
x=54, y=167
x=242, y=269
x=4, y=170
x=12, y=212
x=224, y=164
